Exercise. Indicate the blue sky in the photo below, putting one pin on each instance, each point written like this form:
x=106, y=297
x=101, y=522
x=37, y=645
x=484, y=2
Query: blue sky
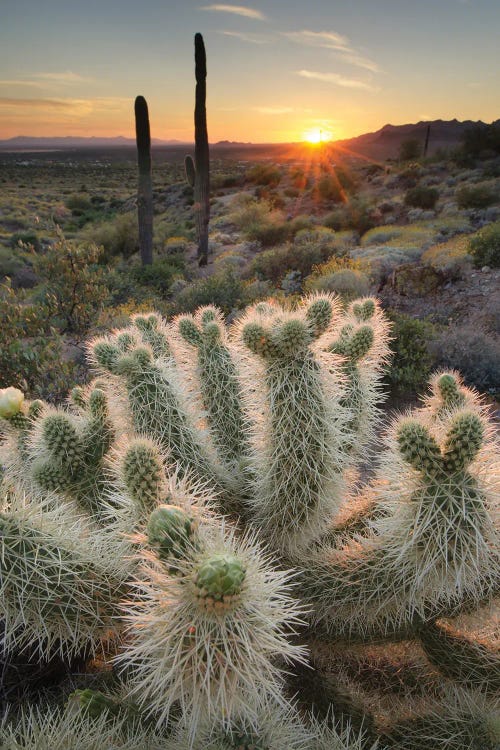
x=276, y=69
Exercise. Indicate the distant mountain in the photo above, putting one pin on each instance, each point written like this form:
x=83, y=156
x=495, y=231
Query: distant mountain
x=70, y=142
x=385, y=143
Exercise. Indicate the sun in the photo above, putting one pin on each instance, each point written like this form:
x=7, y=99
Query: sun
x=317, y=136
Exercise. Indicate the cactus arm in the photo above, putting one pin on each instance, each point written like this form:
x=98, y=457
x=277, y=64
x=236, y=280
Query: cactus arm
x=145, y=183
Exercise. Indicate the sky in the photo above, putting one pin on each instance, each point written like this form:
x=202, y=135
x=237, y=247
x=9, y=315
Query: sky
x=278, y=71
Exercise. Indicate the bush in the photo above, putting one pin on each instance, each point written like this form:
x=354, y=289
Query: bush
x=32, y=353
x=450, y=258
x=118, y=237
x=412, y=359
x=74, y=284
x=481, y=138
x=328, y=188
x=160, y=274
x=410, y=149
x=264, y=174
x=223, y=289
x=481, y=195
x=356, y=214
x=25, y=238
x=473, y=352
x=422, y=197
x=349, y=283
x=485, y=246
x=78, y=203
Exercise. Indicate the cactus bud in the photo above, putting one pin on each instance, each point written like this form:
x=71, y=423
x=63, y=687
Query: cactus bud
x=170, y=532
x=93, y=703
x=450, y=392
x=363, y=311
x=219, y=581
x=189, y=331
x=463, y=442
x=11, y=402
x=319, y=315
x=106, y=355
x=142, y=473
x=292, y=338
x=418, y=447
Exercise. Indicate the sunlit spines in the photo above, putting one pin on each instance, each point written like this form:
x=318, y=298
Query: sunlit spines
x=217, y=660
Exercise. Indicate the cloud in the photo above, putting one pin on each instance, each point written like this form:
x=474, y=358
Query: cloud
x=66, y=77
x=336, y=78
x=273, y=110
x=251, y=38
x=12, y=82
x=338, y=43
x=73, y=107
x=327, y=39
x=239, y=10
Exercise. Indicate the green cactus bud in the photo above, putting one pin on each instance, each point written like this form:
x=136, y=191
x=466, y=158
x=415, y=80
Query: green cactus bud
x=35, y=409
x=78, y=397
x=418, y=447
x=292, y=338
x=208, y=315
x=212, y=334
x=463, y=442
x=189, y=331
x=142, y=473
x=319, y=315
x=450, y=392
x=363, y=311
x=359, y=344
x=50, y=477
x=106, y=355
x=170, y=532
x=93, y=703
x=61, y=438
x=219, y=582
x=98, y=406
x=11, y=402
x=125, y=341
x=257, y=339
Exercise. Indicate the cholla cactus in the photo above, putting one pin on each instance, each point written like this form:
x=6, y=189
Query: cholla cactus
x=112, y=526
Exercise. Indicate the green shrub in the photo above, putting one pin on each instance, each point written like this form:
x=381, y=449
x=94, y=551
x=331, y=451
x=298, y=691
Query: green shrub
x=160, y=274
x=480, y=138
x=119, y=236
x=409, y=149
x=485, y=246
x=78, y=203
x=271, y=234
x=450, y=258
x=412, y=360
x=349, y=283
x=356, y=214
x=74, y=288
x=9, y=262
x=264, y=174
x=481, y=195
x=422, y=197
x=223, y=289
x=309, y=248
x=25, y=238
x=32, y=353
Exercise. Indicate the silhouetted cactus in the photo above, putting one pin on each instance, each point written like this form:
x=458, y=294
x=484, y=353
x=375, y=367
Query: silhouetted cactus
x=198, y=170
x=145, y=185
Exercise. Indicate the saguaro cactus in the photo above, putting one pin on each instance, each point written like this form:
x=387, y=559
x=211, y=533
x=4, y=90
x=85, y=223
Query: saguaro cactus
x=198, y=171
x=145, y=185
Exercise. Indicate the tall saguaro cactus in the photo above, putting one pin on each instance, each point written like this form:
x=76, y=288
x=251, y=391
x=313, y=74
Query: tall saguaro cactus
x=145, y=184
x=198, y=170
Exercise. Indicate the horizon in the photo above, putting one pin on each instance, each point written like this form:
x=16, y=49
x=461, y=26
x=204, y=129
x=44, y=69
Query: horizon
x=277, y=72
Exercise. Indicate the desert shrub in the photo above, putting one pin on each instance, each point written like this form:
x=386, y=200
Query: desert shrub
x=120, y=236
x=485, y=246
x=26, y=238
x=219, y=181
x=301, y=223
x=291, y=192
x=328, y=188
x=356, y=214
x=480, y=195
x=264, y=174
x=422, y=197
x=160, y=273
x=223, y=289
x=450, y=258
x=412, y=360
x=9, y=262
x=349, y=283
x=473, y=352
x=298, y=178
x=382, y=260
x=32, y=352
x=409, y=149
x=412, y=235
x=309, y=248
x=74, y=288
x=78, y=203
x=271, y=234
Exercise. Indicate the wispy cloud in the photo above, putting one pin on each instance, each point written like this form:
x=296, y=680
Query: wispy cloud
x=327, y=39
x=273, y=110
x=251, y=38
x=20, y=82
x=336, y=42
x=337, y=79
x=77, y=107
x=239, y=10
x=65, y=77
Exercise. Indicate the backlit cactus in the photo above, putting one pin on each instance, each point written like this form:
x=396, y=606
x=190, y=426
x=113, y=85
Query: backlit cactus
x=202, y=504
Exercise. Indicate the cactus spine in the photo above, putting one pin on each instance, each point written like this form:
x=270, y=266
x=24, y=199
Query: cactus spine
x=145, y=184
